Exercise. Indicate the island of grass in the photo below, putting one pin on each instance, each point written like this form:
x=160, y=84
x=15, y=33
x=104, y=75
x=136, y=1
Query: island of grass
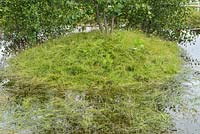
x=94, y=83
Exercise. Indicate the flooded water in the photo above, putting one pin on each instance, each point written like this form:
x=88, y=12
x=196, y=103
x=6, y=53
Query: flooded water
x=4, y=116
x=186, y=115
x=2, y=57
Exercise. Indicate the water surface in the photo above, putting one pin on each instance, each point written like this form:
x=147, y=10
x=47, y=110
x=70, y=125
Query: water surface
x=186, y=115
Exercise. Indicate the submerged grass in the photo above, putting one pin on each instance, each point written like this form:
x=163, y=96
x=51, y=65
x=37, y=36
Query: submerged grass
x=93, y=83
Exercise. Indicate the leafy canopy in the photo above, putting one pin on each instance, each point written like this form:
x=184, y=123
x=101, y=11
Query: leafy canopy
x=26, y=22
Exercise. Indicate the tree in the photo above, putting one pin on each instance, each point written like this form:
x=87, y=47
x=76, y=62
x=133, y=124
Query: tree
x=105, y=12
x=163, y=17
x=27, y=22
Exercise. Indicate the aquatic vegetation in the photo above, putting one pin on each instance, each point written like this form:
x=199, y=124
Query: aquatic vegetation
x=93, y=83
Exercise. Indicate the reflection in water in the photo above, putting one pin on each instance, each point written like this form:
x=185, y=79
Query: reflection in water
x=186, y=117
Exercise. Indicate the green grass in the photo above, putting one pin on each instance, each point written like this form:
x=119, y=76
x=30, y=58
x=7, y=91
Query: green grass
x=118, y=79
x=90, y=60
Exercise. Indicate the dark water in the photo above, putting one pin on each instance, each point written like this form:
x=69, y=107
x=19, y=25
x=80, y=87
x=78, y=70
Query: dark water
x=186, y=114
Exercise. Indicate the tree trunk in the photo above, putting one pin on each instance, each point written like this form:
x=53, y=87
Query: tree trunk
x=98, y=15
x=112, y=24
x=105, y=22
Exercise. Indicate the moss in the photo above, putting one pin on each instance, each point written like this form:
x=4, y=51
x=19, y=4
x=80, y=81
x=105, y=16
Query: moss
x=91, y=82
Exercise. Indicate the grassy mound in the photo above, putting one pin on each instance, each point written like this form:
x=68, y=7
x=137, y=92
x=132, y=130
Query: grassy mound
x=92, y=60
x=94, y=83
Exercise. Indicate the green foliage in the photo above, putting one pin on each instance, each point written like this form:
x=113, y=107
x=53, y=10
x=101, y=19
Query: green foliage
x=165, y=17
x=194, y=19
x=33, y=21
x=93, y=83
x=27, y=22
